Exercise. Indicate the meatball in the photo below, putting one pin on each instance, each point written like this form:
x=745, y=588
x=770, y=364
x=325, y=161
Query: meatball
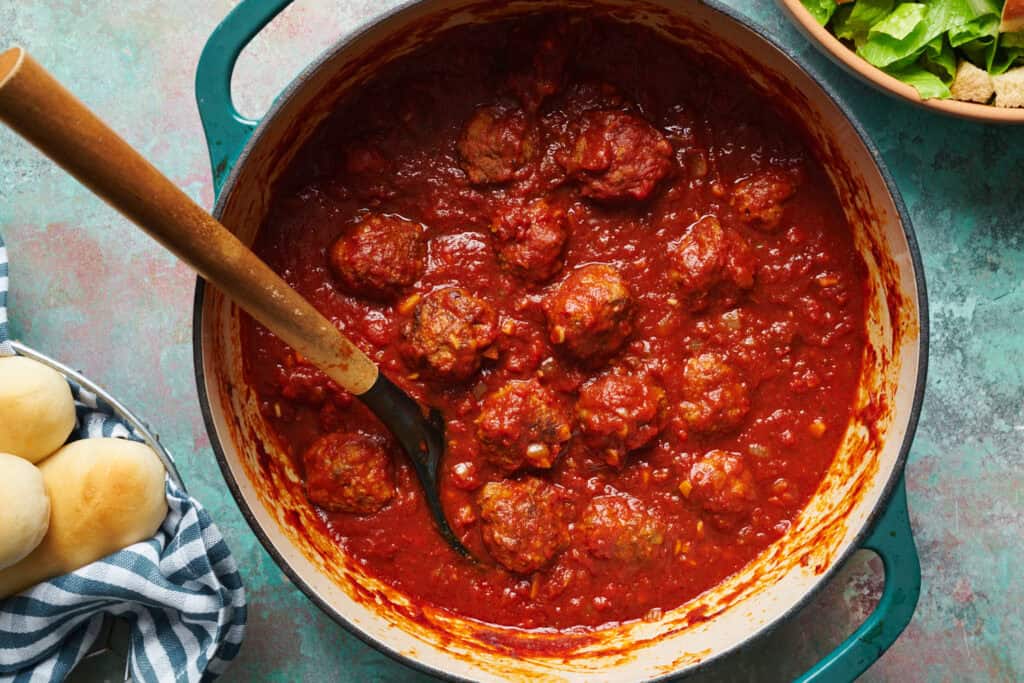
x=591, y=313
x=709, y=259
x=715, y=398
x=448, y=332
x=619, y=527
x=759, y=198
x=620, y=412
x=379, y=256
x=525, y=523
x=522, y=423
x=538, y=61
x=495, y=144
x=618, y=156
x=721, y=484
x=302, y=383
x=531, y=239
x=348, y=473
x=367, y=171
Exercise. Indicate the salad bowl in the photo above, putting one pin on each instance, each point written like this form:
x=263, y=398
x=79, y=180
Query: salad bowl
x=810, y=16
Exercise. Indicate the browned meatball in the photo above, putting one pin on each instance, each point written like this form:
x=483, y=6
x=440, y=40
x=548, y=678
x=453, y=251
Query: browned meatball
x=620, y=412
x=712, y=259
x=495, y=144
x=619, y=527
x=306, y=384
x=522, y=423
x=379, y=256
x=368, y=171
x=531, y=238
x=537, y=61
x=721, y=484
x=715, y=398
x=618, y=155
x=759, y=199
x=448, y=332
x=348, y=473
x=591, y=313
x=525, y=522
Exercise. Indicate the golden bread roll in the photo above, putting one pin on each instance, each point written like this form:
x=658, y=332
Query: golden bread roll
x=25, y=511
x=105, y=494
x=37, y=410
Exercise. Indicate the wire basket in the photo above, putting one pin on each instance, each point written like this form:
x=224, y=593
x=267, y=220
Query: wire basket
x=114, y=633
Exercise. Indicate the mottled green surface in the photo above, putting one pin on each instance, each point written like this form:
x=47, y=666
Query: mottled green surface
x=93, y=291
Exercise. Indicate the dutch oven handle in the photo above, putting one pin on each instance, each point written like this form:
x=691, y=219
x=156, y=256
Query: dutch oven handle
x=227, y=130
x=893, y=540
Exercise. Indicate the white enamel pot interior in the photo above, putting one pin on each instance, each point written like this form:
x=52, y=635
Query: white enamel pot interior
x=857, y=486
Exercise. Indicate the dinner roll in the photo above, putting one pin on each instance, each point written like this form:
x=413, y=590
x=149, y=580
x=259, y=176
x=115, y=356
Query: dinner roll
x=37, y=408
x=25, y=512
x=105, y=494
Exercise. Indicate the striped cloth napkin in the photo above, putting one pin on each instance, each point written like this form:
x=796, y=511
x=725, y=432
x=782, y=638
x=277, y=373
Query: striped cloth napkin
x=180, y=591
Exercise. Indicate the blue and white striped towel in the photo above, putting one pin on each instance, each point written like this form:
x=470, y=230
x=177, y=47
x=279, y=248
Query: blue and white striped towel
x=180, y=591
x=5, y=346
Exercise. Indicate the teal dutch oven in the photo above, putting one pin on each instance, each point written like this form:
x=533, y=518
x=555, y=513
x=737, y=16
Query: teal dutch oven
x=860, y=504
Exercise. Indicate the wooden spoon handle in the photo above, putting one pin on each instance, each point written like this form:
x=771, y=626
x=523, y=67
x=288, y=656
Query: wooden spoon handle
x=35, y=105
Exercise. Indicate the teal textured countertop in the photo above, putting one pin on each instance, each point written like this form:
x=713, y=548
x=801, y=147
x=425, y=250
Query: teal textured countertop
x=93, y=291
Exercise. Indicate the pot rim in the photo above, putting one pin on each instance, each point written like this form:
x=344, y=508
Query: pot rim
x=840, y=559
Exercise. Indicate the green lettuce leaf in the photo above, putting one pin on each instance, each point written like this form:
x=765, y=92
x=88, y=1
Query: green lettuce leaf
x=1009, y=52
x=927, y=84
x=906, y=32
x=985, y=25
x=821, y=10
x=921, y=42
x=965, y=19
x=940, y=59
x=854, y=23
x=980, y=51
x=899, y=37
x=996, y=54
x=901, y=22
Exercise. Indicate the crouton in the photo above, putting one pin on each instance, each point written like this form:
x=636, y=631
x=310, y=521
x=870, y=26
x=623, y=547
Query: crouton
x=971, y=83
x=1009, y=88
x=1013, y=16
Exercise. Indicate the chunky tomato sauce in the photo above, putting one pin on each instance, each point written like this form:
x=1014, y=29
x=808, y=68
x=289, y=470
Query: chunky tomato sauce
x=624, y=279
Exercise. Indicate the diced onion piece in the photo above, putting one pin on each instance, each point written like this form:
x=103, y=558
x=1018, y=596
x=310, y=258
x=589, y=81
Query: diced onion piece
x=731, y=319
x=758, y=450
x=408, y=304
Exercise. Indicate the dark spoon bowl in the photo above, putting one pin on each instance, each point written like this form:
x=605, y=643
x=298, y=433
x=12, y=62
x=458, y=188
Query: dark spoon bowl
x=422, y=438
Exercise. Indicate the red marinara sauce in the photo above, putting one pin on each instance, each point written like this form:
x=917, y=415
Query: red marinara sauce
x=622, y=276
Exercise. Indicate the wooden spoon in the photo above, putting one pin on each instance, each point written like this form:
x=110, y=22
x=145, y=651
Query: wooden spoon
x=42, y=111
